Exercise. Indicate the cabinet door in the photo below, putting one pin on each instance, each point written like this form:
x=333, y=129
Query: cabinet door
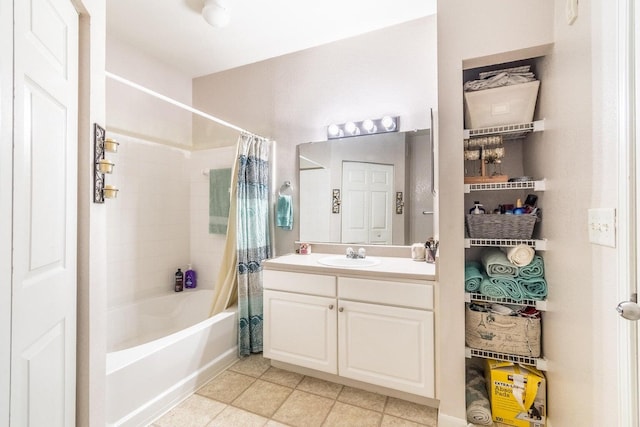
x=301, y=329
x=388, y=346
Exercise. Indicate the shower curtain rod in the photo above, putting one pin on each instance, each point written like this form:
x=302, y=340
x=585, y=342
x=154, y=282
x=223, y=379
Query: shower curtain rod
x=177, y=103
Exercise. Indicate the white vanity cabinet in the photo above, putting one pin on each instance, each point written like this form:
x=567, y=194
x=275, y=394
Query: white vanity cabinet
x=374, y=330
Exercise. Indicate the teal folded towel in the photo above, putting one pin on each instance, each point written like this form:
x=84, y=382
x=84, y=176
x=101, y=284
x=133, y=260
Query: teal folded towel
x=496, y=264
x=284, y=212
x=510, y=286
x=534, y=269
x=473, y=276
x=534, y=288
x=493, y=290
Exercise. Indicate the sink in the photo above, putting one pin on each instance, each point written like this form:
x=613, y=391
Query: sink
x=343, y=261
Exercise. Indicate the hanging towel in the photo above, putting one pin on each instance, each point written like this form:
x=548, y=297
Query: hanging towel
x=533, y=288
x=534, y=269
x=520, y=255
x=496, y=264
x=284, y=212
x=219, y=200
x=477, y=398
x=473, y=276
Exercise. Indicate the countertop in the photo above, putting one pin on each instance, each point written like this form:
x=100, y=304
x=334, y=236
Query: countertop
x=404, y=268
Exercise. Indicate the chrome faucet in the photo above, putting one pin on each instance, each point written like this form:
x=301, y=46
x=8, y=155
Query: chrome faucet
x=361, y=254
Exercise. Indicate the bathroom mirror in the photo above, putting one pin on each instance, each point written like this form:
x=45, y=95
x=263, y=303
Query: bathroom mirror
x=370, y=189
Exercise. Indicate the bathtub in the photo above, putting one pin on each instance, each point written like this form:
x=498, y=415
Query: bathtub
x=161, y=350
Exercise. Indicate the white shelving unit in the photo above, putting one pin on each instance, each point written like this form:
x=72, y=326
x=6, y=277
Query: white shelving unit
x=508, y=132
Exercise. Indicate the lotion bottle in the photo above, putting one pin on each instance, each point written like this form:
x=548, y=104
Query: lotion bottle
x=477, y=209
x=190, y=278
x=179, y=283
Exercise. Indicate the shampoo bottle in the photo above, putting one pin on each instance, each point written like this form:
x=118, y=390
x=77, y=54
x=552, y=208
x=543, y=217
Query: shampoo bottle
x=190, y=278
x=179, y=283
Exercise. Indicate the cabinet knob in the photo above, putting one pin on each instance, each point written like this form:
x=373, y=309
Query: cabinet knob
x=341, y=309
x=330, y=306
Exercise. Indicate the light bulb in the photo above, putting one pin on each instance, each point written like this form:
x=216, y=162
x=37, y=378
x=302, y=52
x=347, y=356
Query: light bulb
x=369, y=126
x=333, y=130
x=388, y=123
x=351, y=128
x=216, y=13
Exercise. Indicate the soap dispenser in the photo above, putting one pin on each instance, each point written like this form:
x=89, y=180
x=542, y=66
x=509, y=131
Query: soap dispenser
x=477, y=208
x=190, y=278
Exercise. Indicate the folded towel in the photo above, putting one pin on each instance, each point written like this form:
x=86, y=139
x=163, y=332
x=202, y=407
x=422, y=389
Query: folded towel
x=496, y=264
x=510, y=286
x=520, y=255
x=284, y=212
x=477, y=398
x=473, y=276
x=493, y=290
x=534, y=269
x=533, y=288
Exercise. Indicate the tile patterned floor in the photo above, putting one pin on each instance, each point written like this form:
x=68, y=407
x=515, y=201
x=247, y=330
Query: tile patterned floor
x=253, y=393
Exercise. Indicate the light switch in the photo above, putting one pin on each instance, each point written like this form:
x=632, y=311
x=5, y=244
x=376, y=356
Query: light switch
x=602, y=226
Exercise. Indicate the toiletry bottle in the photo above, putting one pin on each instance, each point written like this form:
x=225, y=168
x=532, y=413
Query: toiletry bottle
x=519, y=210
x=477, y=208
x=179, y=284
x=190, y=278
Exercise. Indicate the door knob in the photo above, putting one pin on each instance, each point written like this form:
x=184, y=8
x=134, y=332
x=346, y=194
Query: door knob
x=629, y=310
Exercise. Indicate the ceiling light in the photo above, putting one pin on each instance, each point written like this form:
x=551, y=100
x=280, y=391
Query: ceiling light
x=216, y=13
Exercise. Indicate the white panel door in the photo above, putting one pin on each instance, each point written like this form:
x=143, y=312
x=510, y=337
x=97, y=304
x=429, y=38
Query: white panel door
x=367, y=203
x=301, y=329
x=44, y=213
x=388, y=346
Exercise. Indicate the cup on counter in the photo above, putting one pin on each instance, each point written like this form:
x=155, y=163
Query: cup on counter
x=418, y=252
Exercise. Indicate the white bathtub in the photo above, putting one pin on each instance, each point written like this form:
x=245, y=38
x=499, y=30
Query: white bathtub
x=174, y=349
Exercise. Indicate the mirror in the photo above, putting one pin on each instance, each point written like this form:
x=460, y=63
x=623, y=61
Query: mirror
x=371, y=189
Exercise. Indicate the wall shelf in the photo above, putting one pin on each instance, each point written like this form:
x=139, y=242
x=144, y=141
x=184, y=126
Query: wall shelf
x=507, y=131
x=539, y=363
x=519, y=185
x=539, y=305
x=537, y=244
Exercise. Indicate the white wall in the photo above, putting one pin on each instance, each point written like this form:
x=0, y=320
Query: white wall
x=137, y=114
x=294, y=97
x=466, y=31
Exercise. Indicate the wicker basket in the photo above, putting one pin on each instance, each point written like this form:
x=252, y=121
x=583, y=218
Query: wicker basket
x=493, y=226
x=503, y=334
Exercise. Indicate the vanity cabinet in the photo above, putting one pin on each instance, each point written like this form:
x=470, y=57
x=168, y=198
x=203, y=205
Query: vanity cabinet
x=372, y=330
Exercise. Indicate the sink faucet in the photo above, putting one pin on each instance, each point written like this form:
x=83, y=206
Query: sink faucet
x=361, y=254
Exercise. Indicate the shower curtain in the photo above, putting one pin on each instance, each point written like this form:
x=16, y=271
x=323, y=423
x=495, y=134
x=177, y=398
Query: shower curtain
x=248, y=242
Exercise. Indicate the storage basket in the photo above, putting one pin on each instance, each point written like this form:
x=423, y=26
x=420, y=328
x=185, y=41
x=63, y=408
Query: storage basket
x=494, y=226
x=503, y=334
x=500, y=106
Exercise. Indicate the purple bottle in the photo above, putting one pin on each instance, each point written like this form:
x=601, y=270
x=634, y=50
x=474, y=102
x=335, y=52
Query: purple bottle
x=190, y=278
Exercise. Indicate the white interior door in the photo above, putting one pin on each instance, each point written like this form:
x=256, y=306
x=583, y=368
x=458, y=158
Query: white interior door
x=45, y=159
x=367, y=203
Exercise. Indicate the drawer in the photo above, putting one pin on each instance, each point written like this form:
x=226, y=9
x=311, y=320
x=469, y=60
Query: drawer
x=303, y=283
x=389, y=292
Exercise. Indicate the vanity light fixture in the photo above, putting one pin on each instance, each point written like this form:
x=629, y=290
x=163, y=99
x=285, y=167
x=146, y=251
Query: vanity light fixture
x=365, y=127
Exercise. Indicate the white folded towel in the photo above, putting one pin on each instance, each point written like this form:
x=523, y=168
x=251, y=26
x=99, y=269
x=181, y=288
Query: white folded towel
x=520, y=255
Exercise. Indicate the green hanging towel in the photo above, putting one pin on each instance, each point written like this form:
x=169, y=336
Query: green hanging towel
x=219, y=200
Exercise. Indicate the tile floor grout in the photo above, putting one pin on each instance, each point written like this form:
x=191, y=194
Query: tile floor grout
x=226, y=397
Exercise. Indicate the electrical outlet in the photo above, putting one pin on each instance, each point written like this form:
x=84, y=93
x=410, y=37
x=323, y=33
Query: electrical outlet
x=602, y=227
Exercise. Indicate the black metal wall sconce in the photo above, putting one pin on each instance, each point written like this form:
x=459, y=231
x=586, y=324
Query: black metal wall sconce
x=102, y=165
x=336, y=202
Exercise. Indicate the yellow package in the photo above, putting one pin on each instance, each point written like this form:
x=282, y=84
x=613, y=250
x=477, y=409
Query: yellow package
x=517, y=394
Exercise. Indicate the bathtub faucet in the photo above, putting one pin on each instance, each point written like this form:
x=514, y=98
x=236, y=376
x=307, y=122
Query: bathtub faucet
x=361, y=254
